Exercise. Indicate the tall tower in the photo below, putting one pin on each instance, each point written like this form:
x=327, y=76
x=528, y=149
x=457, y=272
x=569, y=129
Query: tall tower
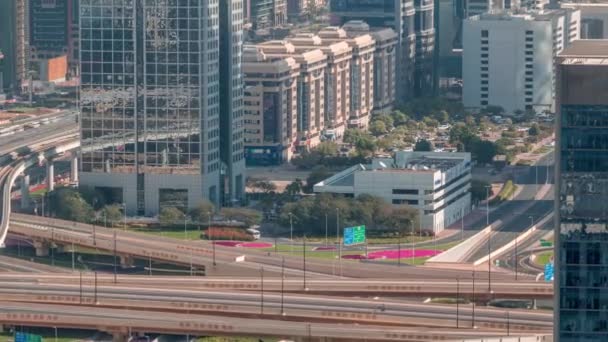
x=14, y=44
x=231, y=102
x=581, y=260
x=150, y=102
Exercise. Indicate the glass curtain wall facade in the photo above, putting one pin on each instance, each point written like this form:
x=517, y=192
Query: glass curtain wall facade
x=231, y=88
x=149, y=99
x=581, y=282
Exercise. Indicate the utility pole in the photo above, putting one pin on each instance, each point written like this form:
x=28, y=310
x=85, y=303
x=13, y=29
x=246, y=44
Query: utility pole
x=457, y=302
x=462, y=224
x=326, y=235
x=282, y=286
x=473, y=301
x=80, y=287
x=53, y=246
x=262, y=290
x=212, y=242
x=489, y=240
x=72, y=257
x=149, y=265
x=338, y=240
x=304, y=268
x=185, y=227
x=115, y=270
x=95, y=293
x=291, y=232
x=399, y=250
x=508, y=324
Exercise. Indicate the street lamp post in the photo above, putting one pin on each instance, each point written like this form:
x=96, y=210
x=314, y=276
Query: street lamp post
x=304, y=265
x=462, y=224
x=124, y=205
x=115, y=271
x=282, y=286
x=473, y=300
x=489, y=239
x=399, y=249
x=326, y=236
x=457, y=302
x=262, y=290
x=291, y=231
x=185, y=227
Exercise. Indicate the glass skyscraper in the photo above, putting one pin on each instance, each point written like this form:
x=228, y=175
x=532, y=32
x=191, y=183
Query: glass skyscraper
x=150, y=101
x=581, y=283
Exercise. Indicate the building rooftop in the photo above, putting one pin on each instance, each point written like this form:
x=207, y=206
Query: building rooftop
x=404, y=162
x=586, y=48
x=509, y=15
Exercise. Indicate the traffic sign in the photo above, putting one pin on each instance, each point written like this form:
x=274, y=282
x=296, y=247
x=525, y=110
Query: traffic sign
x=545, y=243
x=549, y=272
x=354, y=235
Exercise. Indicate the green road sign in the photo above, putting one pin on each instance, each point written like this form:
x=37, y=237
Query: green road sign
x=354, y=235
x=545, y=243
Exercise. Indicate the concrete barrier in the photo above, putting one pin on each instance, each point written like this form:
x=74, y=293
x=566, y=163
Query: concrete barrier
x=461, y=251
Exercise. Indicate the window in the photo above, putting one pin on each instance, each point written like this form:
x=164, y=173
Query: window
x=484, y=82
x=484, y=75
x=528, y=99
x=528, y=32
x=529, y=53
x=405, y=201
x=484, y=48
x=529, y=93
x=484, y=62
x=485, y=33
x=484, y=96
x=529, y=59
x=484, y=88
x=529, y=79
x=484, y=103
x=529, y=73
x=484, y=68
x=528, y=86
x=484, y=55
x=405, y=191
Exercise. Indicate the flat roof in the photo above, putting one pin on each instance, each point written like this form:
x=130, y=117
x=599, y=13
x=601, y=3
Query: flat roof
x=586, y=51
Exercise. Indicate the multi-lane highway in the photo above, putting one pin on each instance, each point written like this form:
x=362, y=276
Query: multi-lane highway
x=201, y=253
x=123, y=322
x=336, y=287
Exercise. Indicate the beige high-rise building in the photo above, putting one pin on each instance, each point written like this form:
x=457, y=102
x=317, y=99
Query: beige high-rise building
x=337, y=78
x=311, y=90
x=385, y=62
x=270, y=106
x=361, y=77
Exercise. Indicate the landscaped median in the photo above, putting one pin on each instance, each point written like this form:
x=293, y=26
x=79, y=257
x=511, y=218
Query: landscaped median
x=506, y=192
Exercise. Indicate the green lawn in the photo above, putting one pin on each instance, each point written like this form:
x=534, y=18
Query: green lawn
x=372, y=240
x=543, y=258
x=298, y=251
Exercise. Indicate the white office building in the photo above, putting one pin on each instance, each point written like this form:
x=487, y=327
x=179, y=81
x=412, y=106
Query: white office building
x=509, y=58
x=436, y=183
x=594, y=18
